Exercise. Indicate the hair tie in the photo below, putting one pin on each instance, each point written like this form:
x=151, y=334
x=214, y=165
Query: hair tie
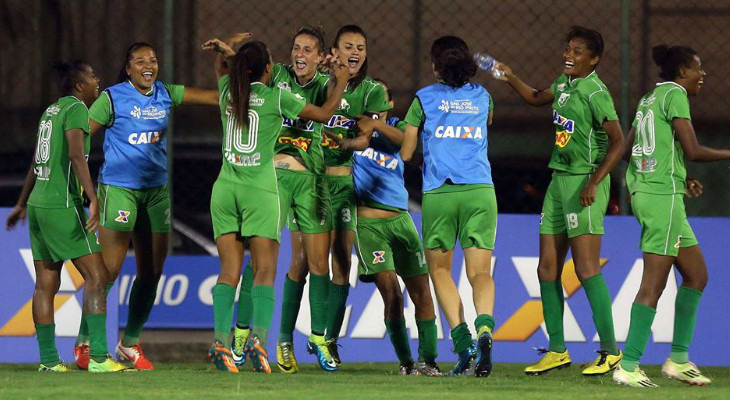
x=249, y=71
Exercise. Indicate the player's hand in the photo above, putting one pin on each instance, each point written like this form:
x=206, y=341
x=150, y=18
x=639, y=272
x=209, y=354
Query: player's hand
x=336, y=138
x=93, y=221
x=508, y=74
x=338, y=68
x=694, y=188
x=218, y=46
x=18, y=213
x=238, y=38
x=367, y=124
x=588, y=194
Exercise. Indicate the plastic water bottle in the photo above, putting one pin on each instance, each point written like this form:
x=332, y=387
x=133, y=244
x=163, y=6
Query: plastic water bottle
x=487, y=62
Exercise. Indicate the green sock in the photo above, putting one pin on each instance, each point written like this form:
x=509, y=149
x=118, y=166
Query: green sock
x=553, y=303
x=639, y=330
x=600, y=300
x=685, y=318
x=399, y=337
x=484, y=320
x=97, y=335
x=461, y=337
x=319, y=287
x=290, y=302
x=336, y=304
x=427, y=340
x=262, y=297
x=83, y=336
x=141, y=300
x=46, y=334
x=223, y=297
x=245, y=307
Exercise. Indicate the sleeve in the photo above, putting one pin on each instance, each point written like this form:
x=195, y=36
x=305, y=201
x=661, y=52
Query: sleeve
x=290, y=104
x=177, y=92
x=601, y=105
x=101, y=111
x=491, y=102
x=223, y=84
x=676, y=105
x=401, y=125
x=635, y=121
x=77, y=117
x=376, y=100
x=278, y=69
x=554, y=85
x=415, y=115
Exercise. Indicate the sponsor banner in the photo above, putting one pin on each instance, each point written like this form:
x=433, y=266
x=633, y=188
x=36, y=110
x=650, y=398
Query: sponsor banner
x=184, y=298
x=18, y=341
x=185, y=301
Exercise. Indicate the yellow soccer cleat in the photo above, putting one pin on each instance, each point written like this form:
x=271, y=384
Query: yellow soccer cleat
x=603, y=364
x=60, y=367
x=550, y=360
x=109, y=365
x=686, y=373
x=285, y=358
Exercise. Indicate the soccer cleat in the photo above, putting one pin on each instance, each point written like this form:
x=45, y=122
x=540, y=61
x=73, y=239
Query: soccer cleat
x=285, y=358
x=603, y=364
x=466, y=356
x=334, y=352
x=81, y=355
x=239, y=341
x=60, y=367
x=687, y=373
x=429, y=369
x=320, y=347
x=134, y=354
x=550, y=360
x=257, y=353
x=483, y=363
x=222, y=358
x=109, y=365
x=636, y=379
x=408, y=368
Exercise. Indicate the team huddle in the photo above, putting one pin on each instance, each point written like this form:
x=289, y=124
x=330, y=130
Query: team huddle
x=310, y=145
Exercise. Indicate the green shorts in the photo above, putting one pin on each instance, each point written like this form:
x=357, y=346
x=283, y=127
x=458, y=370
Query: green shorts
x=245, y=211
x=389, y=244
x=561, y=209
x=344, y=204
x=126, y=210
x=58, y=234
x=664, y=225
x=466, y=212
x=305, y=199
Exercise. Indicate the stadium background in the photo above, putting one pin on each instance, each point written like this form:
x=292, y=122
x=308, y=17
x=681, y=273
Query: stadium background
x=528, y=35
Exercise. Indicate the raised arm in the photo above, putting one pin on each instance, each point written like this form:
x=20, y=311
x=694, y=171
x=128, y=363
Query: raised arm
x=534, y=97
x=692, y=149
x=334, y=98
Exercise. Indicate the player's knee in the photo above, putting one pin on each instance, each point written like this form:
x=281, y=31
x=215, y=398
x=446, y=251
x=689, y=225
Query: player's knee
x=47, y=287
x=547, y=271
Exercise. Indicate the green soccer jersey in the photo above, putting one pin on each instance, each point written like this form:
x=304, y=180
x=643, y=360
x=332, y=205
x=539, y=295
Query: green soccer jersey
x=248, y=150
x=580, y=108
x=56, y=185
x=657, y=158
x=368, y=96
x=101, y=111
x=300, y=137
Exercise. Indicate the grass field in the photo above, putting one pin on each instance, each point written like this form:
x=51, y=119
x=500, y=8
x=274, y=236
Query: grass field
x=372, y=381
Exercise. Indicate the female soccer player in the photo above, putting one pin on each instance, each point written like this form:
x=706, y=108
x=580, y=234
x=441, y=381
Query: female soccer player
x=660, y=137
x=387, y=241
x=452, y=116
x=59, y=227
x=363, y=95
x=134, y=199
x=248, y=168
x=305, y=199
x=588, y=144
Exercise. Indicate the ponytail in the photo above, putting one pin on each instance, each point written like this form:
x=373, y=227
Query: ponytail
x=249, y=65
